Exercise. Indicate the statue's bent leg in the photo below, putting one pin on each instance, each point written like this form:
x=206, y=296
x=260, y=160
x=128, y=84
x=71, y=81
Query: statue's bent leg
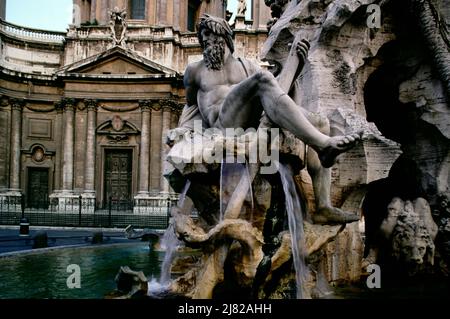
x=242, y=103
x=321, y=181
x=239, y=108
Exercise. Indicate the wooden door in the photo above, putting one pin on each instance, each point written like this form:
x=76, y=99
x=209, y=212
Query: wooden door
x=118, y=167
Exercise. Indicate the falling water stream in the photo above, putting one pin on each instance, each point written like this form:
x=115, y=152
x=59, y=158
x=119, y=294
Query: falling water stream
x=169, y=241
x=295, y=220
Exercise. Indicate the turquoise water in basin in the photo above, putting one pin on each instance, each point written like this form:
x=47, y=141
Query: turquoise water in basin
x=43, y=275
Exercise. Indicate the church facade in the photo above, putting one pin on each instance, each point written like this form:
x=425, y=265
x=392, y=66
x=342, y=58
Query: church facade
x=84, y=113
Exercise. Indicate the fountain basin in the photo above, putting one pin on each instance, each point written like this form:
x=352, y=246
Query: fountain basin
x=43, y=274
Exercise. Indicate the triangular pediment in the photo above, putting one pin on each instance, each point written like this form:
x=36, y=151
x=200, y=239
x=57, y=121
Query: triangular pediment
x=118, y=65
x=117, y=61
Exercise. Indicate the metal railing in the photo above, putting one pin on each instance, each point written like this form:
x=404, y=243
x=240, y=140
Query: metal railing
x=83, y=212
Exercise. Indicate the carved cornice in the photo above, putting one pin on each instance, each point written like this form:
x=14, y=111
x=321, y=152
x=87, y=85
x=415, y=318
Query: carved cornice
x=17, y=104
x=91, y=104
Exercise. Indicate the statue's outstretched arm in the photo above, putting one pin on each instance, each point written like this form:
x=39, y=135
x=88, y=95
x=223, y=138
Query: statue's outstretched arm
x=294, y=64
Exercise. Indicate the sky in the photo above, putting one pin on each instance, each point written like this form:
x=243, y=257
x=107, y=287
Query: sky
x=56, y=15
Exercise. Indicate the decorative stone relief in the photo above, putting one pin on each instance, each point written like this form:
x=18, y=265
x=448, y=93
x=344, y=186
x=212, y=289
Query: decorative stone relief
x=410, y=231
x=118, y=26
x=117, y=130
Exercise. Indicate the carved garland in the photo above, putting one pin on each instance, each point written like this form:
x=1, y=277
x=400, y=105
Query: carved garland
x=119, y=108
x=47, y=109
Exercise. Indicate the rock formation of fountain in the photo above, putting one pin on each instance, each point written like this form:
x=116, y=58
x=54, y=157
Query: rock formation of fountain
x=395, y=75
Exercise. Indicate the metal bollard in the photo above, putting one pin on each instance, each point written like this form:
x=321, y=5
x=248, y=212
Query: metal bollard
x=24, y=227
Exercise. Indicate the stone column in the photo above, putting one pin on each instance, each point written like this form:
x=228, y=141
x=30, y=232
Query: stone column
x=89, y=165
x=67, y=173
x=144, y=153
x=155, y=147
x=142, y=198
x=164, y=148
x=59, y=107
x=16, y=135
x=5, y=114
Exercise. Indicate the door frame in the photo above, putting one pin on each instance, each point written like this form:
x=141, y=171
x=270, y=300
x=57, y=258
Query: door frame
x=28, y=163
x=101, y=170
x=130, y=158
x=38, y=168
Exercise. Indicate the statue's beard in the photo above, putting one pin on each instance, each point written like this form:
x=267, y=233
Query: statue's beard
x=213, y=55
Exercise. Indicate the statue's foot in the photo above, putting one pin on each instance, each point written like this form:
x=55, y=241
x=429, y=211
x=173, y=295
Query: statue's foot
x=333, y=215
x=370, y=259
x=336, y=146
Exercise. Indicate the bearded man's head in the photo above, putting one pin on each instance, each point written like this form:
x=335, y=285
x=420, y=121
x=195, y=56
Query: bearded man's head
x=214, y=46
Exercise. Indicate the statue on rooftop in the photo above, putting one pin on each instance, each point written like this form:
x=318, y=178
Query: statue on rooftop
x=118, y=26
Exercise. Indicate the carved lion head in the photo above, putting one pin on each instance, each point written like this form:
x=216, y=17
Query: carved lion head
x=412, y=245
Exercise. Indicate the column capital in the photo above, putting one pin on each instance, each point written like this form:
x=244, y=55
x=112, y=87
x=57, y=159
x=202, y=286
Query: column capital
x=176, y=107
x=59, y=106
x=156, y=105
x=17, y=104
x=4, y=100
x=91, y=104
x=167, y=105
x=68, y=104
x=145, y=105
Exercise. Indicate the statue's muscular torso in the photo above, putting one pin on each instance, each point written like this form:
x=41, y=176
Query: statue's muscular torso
x=208, y=89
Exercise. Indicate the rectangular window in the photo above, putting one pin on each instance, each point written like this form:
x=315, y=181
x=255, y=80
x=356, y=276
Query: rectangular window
x=193, y=7
x=137, y=9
